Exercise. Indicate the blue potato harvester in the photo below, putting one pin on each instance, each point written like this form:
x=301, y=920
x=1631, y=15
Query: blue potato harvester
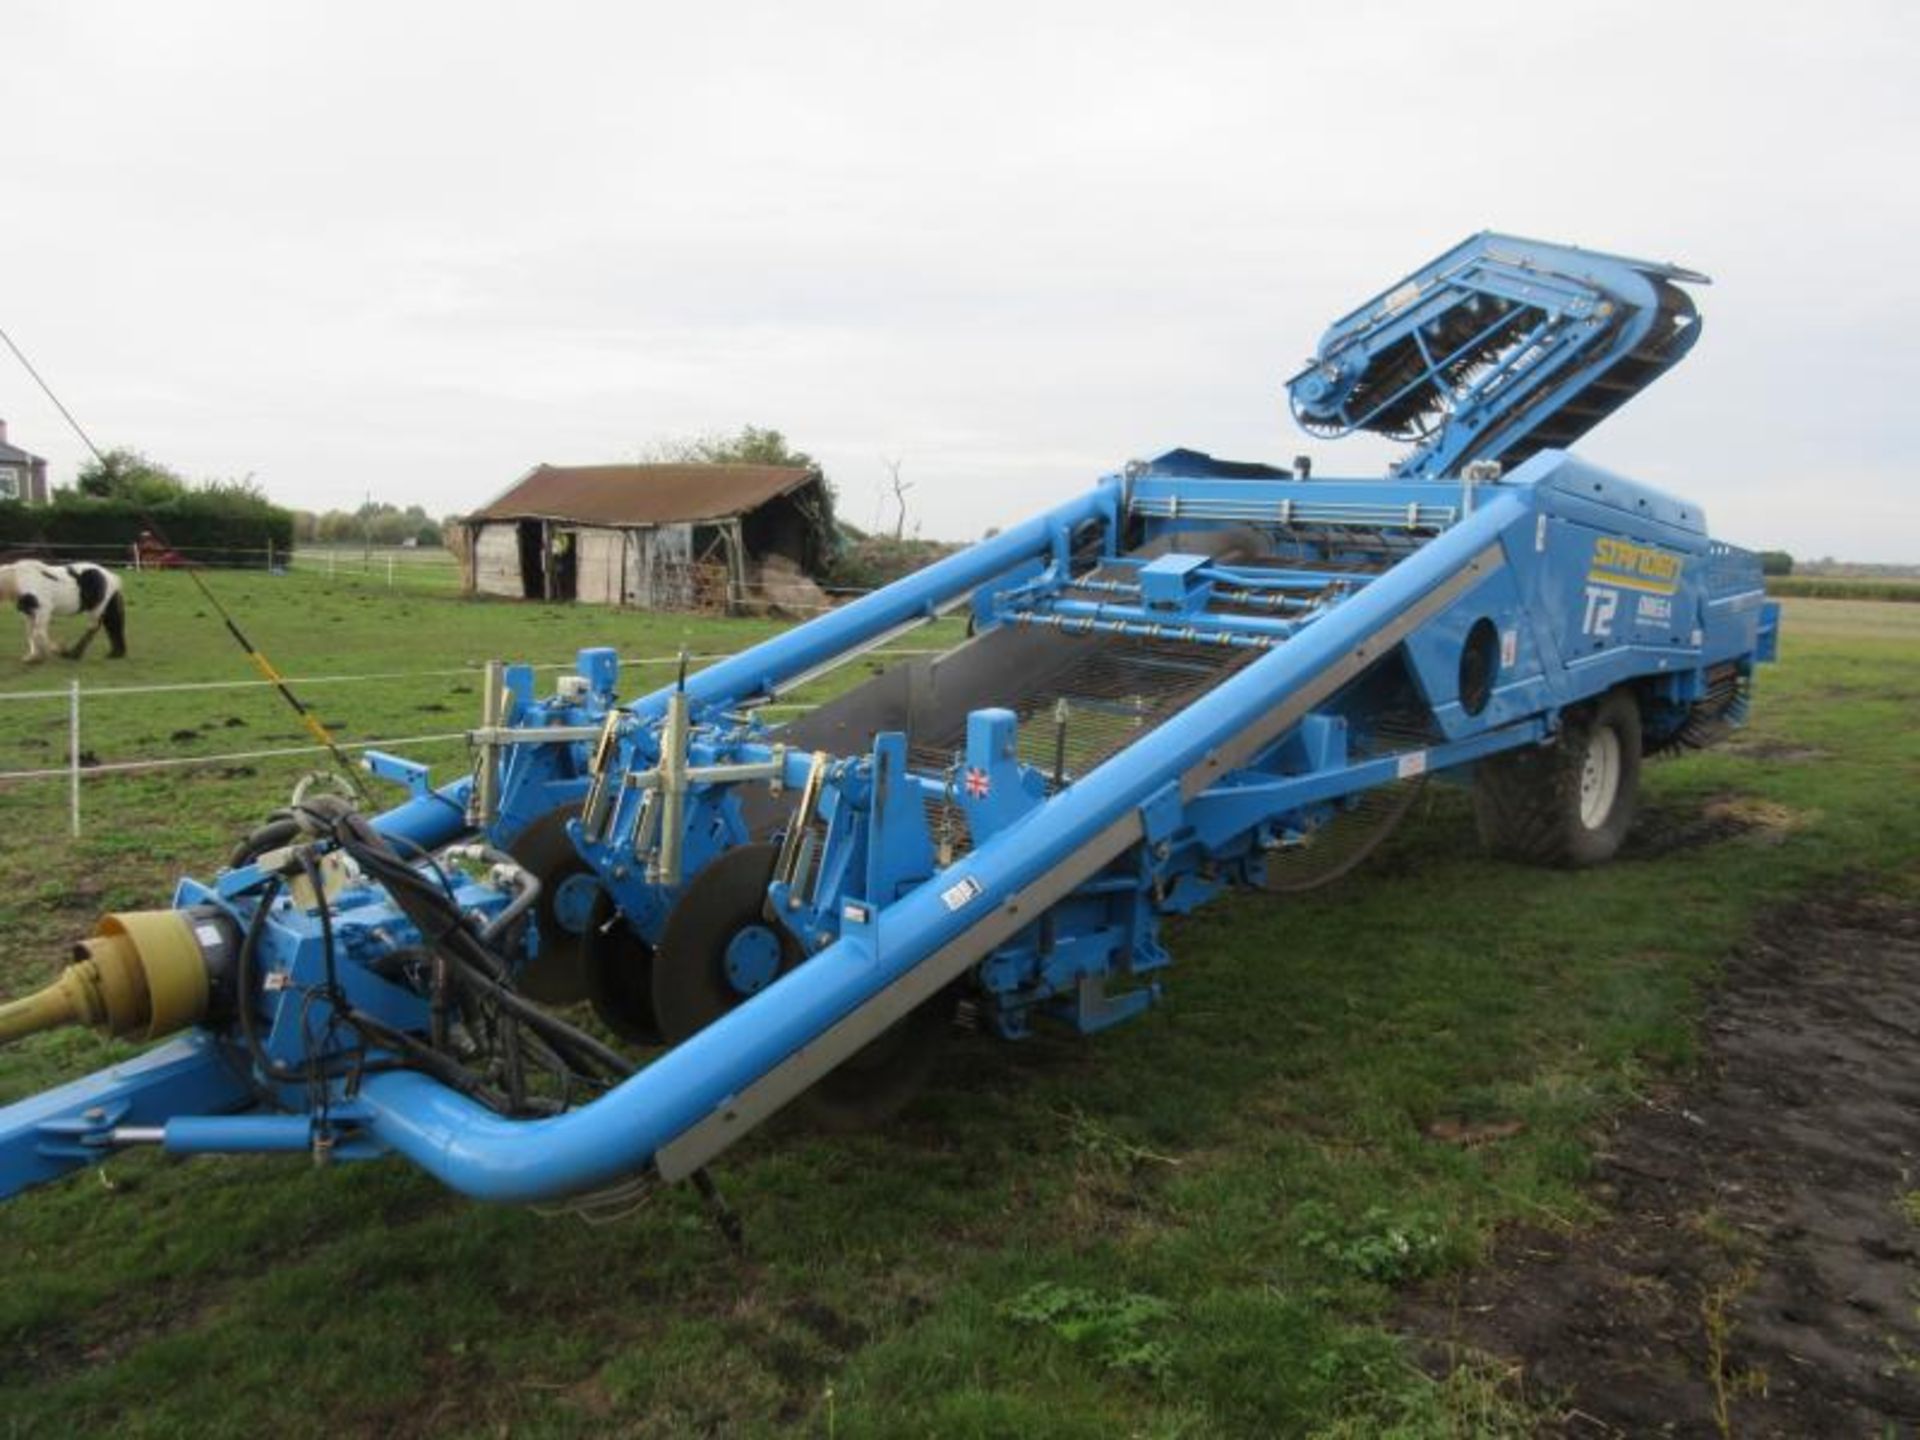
x=1198, y=674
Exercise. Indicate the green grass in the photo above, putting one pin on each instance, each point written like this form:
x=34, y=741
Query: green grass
x=1192, y=1226
x=432, y=571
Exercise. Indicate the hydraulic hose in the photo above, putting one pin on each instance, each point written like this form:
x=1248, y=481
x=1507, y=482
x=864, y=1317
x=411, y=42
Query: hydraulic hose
x=442, y=925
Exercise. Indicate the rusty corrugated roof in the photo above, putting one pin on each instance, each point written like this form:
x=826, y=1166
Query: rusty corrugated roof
x=643, y=494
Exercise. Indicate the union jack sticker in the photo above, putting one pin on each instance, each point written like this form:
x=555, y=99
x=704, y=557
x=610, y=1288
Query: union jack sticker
x=978, y=786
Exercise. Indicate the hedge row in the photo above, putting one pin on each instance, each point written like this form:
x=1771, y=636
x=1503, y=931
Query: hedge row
x=866, y=562
x=91, y=528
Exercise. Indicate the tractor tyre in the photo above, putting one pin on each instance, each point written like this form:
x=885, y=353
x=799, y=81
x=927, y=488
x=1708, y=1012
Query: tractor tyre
x=1568, y=804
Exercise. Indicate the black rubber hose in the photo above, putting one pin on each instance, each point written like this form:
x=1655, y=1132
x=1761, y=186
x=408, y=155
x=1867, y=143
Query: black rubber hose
x=243, y=984
x=310, y=868
x=270, y=836
x=477, y=964
x=552, y=1029
x=416, y=1055
x=424, y=1057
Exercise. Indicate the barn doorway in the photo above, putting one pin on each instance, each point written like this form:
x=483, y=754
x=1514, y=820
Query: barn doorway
x=563, y=566
x=533, y=559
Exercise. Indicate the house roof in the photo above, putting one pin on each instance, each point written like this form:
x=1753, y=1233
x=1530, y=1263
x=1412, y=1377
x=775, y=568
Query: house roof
x=643, y=494
x=14, y=455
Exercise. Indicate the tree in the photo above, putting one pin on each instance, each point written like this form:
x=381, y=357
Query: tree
x=900, y=488
x=751, y=446
x=1776, y=562
x=376, y=522
x=125, y=474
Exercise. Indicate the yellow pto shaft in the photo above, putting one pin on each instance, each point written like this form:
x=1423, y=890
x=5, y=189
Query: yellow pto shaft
x=142, y=974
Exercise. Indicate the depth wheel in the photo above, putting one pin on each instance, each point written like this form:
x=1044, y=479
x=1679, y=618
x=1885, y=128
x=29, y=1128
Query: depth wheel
x=878, y=1082
x=568, y=886
x=1568, y=804
x=1342, y=843
x=718, y=947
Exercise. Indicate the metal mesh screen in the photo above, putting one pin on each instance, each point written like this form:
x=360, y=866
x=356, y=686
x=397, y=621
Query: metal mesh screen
x=1116, y=691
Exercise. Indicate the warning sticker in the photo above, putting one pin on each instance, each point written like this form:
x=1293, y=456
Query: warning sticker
x=964, y=892
x=1413, y=763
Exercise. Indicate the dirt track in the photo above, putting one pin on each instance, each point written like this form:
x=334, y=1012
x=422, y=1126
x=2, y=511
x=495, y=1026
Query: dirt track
x=1757, y=1274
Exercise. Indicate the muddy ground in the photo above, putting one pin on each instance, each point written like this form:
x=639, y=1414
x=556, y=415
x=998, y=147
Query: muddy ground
x=1758, y=1273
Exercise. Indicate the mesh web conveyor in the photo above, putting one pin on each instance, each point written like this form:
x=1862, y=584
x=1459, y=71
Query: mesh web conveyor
x=1117, y=690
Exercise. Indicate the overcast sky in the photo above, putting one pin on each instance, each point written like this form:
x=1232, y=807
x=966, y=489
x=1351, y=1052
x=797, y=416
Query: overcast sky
x=416, y=248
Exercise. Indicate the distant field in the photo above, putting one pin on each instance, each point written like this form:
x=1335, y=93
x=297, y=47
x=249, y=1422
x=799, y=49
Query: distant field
x=1835, y=587
x=1196, y=1225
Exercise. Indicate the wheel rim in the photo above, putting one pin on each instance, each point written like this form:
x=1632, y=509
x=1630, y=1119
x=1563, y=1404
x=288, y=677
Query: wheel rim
x=1599, y=777
x=752, y=959
x=573, y=900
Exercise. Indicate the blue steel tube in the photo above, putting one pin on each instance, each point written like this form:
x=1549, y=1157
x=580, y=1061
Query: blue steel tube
x=485, y=1156
x=431, y=820
x=1174, y=620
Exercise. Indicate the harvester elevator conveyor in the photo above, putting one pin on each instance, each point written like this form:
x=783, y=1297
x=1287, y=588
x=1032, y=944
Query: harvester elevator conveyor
x=1197, y=675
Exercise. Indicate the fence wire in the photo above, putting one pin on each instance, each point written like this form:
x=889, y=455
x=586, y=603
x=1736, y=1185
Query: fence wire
x=79, y=767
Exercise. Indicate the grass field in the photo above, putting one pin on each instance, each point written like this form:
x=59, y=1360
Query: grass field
x=432, y=569
x=1196, y=1225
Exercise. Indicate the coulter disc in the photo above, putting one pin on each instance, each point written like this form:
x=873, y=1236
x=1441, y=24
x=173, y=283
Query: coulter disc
x=617, y=967
x=718, y=946
x=557, y=975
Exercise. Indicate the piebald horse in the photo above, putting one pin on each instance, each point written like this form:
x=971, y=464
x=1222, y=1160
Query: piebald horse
x=41, y=591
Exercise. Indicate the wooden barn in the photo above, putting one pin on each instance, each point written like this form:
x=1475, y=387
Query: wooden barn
x=659, y=537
